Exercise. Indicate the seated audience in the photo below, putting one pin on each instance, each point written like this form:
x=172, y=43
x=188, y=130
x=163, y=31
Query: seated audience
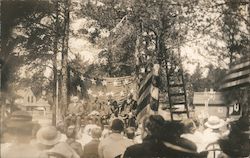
x=161, y=139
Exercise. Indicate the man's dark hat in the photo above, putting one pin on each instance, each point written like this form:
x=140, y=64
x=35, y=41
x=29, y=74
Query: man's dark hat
x=117, y=125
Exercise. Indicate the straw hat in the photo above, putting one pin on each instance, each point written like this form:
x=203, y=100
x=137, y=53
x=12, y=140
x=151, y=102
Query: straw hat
x=214, y=122
x=48, y=135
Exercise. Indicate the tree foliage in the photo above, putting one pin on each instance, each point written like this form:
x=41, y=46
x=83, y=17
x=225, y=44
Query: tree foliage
x=15, y=46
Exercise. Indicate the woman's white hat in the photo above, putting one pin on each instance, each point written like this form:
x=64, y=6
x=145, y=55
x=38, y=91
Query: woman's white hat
x=214, y=122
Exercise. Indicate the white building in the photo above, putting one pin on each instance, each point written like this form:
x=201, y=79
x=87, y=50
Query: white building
x=29, y=101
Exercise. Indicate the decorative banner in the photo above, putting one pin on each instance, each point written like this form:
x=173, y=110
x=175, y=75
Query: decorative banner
x=117, y=88
x=100, y=89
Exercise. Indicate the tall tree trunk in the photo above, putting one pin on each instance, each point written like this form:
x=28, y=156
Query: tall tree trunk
x=65, y=80
x=55, y=66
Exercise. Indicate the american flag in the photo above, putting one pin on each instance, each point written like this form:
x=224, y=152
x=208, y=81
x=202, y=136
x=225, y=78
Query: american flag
x=238, y=75
x=148, y=94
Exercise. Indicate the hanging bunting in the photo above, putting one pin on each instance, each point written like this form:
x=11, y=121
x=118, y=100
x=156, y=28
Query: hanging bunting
x=101, y=88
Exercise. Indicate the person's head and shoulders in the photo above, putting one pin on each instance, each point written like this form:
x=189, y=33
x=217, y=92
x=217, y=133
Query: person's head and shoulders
x=130, y=134
x=71, y=134
x=75, y=100
x=46, y=138
x=48, y=142
x=92, y=122
x=117, y=127
x=96, y=134
x=150, y=143
x=214, y=128
x=75, y=106
x=130, y=100
x=91, y=148
x=115, y=143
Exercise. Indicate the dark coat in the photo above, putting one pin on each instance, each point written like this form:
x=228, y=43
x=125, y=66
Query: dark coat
x=91, y=149
x=76, y=146
x=151, y=148
x=128, y=107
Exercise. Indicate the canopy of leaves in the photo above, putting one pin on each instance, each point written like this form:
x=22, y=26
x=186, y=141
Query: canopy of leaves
x=12, y=37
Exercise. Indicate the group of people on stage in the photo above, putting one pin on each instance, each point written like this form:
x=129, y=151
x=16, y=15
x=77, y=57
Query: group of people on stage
x=127, y=110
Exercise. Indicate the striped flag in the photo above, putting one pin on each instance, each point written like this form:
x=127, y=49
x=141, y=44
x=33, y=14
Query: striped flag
x=148, y=94
x=238, y=75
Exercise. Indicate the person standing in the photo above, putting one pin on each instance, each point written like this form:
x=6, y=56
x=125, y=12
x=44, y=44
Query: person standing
x=128, y=110
x=114, y=108
x=75, y=110
x=75, y=107
x=114, y=144
x=129, y=105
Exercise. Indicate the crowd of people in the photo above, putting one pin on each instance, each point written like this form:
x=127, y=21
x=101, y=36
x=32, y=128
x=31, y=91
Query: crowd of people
x=153, y=136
